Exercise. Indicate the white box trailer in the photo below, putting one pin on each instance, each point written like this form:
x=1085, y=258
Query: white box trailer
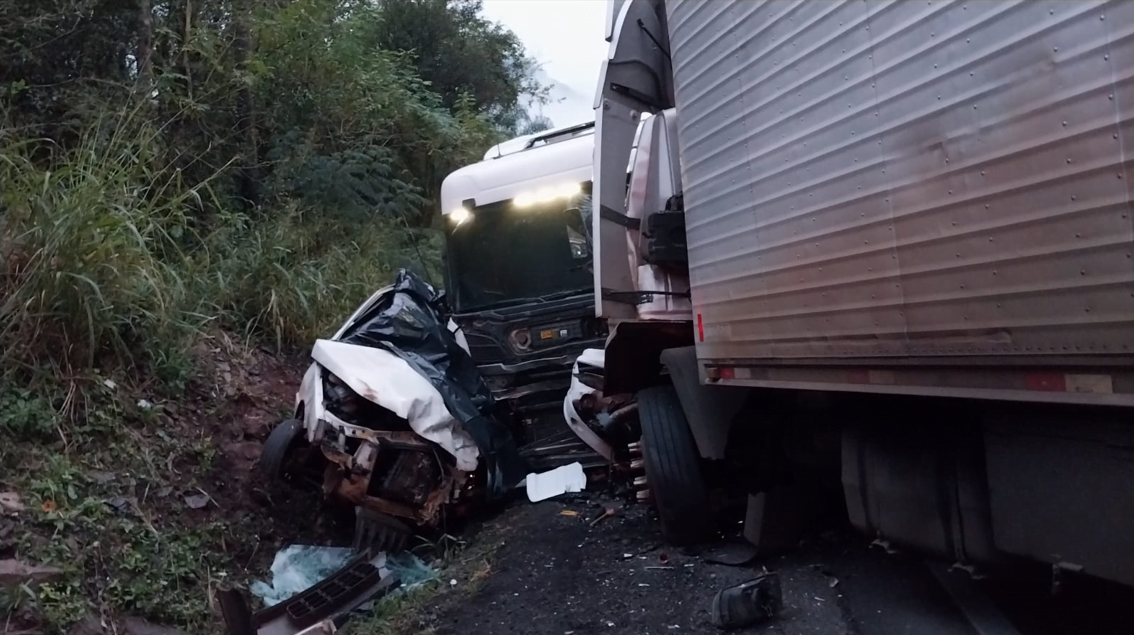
x=927, y=204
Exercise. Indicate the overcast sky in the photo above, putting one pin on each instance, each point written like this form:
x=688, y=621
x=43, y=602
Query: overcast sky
x=567, y=37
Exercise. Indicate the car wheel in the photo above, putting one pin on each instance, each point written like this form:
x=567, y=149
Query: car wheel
x=280, y=443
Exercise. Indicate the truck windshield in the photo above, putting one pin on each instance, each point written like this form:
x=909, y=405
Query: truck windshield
x=504, y=255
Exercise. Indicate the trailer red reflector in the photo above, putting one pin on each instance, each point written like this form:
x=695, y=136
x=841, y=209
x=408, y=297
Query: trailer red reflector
x=858, y=377
x=700, y=329
x=1046, y=382
x=727, y=372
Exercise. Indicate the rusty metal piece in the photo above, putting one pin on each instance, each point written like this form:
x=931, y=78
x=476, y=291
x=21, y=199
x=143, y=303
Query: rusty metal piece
x=407, y=489
x=606, y=513
x=335, y=455
x=410, y=479
x=363, y=460
x=401, y=440
x=352, y=488
x=432, y=507
x=450, y=491
x=627, y=411
x=332, y=476
x=387, y=507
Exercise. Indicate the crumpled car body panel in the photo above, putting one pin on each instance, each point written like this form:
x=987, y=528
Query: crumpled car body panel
x=596, y=358
x=400, y=352
x=387, y=380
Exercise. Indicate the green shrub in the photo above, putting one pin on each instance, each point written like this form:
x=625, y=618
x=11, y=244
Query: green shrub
x=90, y=262
x=296, y=277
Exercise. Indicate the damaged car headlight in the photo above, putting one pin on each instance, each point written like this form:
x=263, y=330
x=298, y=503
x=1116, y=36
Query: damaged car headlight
x=342, y=401
x=339, y=398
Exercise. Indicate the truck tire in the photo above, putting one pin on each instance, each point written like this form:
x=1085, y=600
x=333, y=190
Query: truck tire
x=673, y=468
x=280, y=442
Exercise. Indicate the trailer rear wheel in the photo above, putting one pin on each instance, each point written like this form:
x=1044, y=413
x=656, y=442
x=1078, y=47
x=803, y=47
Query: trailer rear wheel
x=673, y=468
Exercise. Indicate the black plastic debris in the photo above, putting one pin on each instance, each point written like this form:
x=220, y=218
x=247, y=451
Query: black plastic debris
x=749, y=603
x=363, y=578
x=410, y=322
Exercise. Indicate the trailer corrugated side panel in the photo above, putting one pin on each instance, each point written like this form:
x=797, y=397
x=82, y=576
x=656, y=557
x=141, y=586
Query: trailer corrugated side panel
x=908, y=180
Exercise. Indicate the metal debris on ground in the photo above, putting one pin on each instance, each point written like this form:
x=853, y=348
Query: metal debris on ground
x=749, y=603
x=606, y=513
x=565, y=479
x=316, y=609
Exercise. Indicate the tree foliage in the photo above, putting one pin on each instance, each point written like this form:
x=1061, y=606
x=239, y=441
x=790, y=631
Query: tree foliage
x=261, y=163
x=460, y=53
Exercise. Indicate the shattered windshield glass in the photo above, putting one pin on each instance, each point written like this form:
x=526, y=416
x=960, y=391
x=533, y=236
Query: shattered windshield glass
x=502, y=255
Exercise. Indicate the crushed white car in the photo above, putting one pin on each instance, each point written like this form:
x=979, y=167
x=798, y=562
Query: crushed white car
x=371, y=416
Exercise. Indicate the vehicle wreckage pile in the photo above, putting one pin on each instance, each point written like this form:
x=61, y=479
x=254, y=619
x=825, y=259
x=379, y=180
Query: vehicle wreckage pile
x=394, y=419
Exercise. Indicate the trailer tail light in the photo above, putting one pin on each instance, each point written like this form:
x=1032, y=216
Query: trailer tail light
x=718, y=373
x=1046, y=382
x=1071, y=382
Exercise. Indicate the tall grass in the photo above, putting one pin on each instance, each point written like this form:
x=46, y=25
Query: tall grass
x=89, y=252
x=104, y=264
x=294, y=278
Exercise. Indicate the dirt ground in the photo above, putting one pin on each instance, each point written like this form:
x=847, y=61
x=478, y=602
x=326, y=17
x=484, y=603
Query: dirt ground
x=543, y=569
x=172, y=483
x=555, y=574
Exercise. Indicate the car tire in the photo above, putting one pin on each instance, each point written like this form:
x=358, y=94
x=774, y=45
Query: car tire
x=279, y=444
x=673, y=468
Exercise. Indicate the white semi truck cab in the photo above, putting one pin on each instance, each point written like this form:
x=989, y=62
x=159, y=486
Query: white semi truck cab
x=518, y=277
x=875, y=256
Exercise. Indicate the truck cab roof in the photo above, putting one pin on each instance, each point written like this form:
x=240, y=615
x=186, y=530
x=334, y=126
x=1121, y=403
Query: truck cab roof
x=523, y=165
